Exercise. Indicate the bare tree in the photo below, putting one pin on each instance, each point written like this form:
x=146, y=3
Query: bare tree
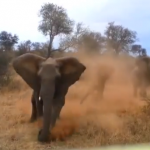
x=71, y=41
x=26, y=45
x=36, y=46
x=82, y=38
x=55, y=21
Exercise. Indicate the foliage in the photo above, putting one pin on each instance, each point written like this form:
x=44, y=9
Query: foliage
x=71, y=41
x=137, y=49
x=82, y=39
x=7, y=40
x=115, y=37
x=5, y=75
x=37, y=46
x=91, y=41
x=119, y=38
x=55, y=21
x=24, y=47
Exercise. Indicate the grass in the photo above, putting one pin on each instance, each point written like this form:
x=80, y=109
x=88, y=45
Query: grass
x=93, y=126
x=117, y=119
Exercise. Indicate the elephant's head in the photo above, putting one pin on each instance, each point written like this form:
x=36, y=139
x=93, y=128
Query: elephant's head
x=50, y=78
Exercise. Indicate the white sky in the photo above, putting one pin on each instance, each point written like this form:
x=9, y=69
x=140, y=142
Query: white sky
x=21, y=16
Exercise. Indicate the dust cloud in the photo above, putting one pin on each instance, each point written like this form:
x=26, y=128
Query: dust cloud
x=107, y=113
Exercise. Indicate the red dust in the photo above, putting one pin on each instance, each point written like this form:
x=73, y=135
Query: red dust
x=104, y=113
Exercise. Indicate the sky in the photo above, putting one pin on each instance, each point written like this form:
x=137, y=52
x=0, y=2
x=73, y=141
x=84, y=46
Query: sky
x=21, y=17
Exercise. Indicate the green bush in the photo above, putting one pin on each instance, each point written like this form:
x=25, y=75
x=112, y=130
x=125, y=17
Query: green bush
x=5, y=74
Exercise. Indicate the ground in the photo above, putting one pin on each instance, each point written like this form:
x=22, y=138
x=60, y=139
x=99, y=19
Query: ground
x=117, y=119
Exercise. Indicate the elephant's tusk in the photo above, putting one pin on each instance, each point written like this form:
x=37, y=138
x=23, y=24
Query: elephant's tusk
x=39, y=98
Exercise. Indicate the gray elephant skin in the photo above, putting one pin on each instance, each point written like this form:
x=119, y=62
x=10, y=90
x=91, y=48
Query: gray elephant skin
x=50, y=80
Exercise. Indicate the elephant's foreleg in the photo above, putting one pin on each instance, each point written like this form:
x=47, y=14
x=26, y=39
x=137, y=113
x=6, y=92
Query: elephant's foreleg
x=57, y=107
x=55, y=116
x=34, y=108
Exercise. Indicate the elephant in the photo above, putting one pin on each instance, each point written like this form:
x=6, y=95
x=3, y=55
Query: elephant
x=141, y=76
x=103, y=75
x=50, y=80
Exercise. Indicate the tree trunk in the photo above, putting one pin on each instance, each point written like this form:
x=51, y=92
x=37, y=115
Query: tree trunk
x=118, y=50
x=50, y=46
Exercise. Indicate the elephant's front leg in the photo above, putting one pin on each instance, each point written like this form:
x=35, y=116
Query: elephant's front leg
x=34, y=108
x=57, y=107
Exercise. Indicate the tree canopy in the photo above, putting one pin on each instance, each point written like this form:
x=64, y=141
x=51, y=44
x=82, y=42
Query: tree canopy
x=7, y=40
x=119, y=38
x=55, y=21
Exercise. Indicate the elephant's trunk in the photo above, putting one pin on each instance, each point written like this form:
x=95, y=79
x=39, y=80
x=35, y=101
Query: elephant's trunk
x=47, y=95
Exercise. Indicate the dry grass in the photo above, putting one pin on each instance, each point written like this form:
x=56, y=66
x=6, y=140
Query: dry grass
x=117, y=119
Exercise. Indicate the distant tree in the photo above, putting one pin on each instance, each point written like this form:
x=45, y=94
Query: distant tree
x=24, y=47
x=82, y=38
x=118, y=37
x=36, y=46
x=67, y=43
x=91, y=41
x=55, y=21
x=71, y=41
x=137, y=49
x=7, y=40
x=143, y=52
x=40, y=48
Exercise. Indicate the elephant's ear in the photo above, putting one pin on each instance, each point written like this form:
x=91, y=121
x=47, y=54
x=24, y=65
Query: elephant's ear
x=27, y=66
x=70, y=66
